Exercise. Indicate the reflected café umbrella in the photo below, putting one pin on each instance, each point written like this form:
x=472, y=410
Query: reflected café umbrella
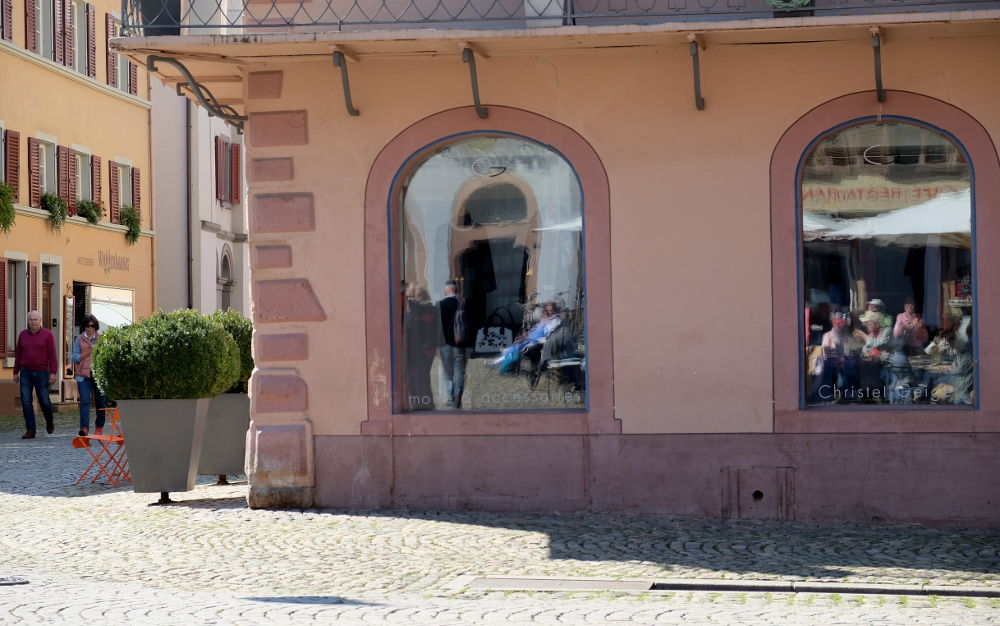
x=948, y=215
x=815, y=226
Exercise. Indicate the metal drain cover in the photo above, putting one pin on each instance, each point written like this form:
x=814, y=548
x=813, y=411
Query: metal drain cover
x=6, y=581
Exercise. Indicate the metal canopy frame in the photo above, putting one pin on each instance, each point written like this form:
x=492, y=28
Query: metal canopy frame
x=202, y=93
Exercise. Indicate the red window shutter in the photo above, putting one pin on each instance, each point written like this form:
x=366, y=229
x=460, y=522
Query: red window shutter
x=30, y=36
x=91, y=41
x=133, y=79
x=136, y=204
x=58, y=30
x=3, y=307
x=8, y=34
x=220, y=168
x=68, y=59
x=71, y=180
x=13, y=161
x=32, y=286
x=34, y=175
x=234, y=177
x=113, y=190
x=109, y=31
x=95, y=179
x=61, y=163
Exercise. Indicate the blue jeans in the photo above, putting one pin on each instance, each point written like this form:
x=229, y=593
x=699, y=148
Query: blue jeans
x=453, y=374
x=37, y=380
x=88, y=388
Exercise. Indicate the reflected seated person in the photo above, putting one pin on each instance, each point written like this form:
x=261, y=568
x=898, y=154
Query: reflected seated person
x=531, y=340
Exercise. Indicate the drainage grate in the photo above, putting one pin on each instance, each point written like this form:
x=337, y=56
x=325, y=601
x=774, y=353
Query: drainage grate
x=513, y=583
x=6, y=581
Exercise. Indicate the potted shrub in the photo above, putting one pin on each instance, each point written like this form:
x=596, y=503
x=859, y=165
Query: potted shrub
x=129, y=218
x=7, y=211
x=224, y=449
x=90, y=210
x=162, y=371
x=57, y=208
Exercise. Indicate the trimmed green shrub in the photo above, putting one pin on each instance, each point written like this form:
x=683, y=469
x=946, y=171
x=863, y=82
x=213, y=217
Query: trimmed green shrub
x=7, y=211
x=57, y=208
x=90, y=210
x=129, y=218
x=167, y=356
x=241, y=330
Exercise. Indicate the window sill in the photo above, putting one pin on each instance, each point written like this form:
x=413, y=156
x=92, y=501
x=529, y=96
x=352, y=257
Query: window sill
x=77, y=221
x=72, y=74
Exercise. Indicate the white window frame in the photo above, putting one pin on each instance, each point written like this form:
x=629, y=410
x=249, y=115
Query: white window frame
x=84, y=173
x=17, y=296
x=81, y=48
x=45, y=36
x=121, y=63
x=3, y=152
x=124, y=184
x=48, y=168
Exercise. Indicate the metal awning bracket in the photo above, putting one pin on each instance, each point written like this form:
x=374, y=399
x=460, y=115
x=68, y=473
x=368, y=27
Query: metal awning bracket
x=340, y=56
x=877, y=49
x=469, y=56
x=202, y=93
x=694, y=47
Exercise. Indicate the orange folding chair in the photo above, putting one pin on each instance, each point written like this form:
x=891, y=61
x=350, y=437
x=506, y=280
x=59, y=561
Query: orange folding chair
x=109, y=458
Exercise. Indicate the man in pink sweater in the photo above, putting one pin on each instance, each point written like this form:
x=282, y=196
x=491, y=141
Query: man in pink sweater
x=35, y=367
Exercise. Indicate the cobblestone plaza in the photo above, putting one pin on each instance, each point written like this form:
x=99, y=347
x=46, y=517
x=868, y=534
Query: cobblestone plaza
x=101, y=555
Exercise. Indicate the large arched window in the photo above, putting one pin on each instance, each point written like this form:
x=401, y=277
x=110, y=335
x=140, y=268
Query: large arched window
x=890, y=202
x=887, y=267
x=492, y=274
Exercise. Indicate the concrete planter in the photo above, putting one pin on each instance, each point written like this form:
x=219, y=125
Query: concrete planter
x=225, y=447
x=163, y=440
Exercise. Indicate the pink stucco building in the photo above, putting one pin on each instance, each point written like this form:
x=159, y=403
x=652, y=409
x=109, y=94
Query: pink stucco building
x=719, y=262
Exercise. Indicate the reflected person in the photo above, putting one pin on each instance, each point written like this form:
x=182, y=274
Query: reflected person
x=453, y=349
x=35, y=368
x=84, y=375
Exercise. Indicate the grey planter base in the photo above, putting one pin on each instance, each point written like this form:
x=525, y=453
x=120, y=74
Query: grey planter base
x=163, y=441
x=225, y=446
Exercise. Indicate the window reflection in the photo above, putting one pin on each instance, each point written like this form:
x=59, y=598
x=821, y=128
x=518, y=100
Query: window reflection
x=492, y=312
x=887, y=268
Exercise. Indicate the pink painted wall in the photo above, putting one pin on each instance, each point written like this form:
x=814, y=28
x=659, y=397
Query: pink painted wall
x=689, y=190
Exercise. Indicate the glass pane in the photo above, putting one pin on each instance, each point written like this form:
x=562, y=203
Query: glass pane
x=111, y=306
x=887, y=269
x=492, y=234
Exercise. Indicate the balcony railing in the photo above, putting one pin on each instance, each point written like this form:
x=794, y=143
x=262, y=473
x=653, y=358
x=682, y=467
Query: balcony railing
x=174, y=17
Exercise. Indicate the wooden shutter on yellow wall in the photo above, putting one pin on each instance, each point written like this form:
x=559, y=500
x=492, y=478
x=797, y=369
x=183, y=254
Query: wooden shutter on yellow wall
x=95, y=178
x=30, y=36
x=58, y=30
x=8, y=34
x=68, y=18
x=32, y=286
x=62, y=158
x=136, y=204
x=133, y=79
x=13, y=164
x=234, y=175
x=71, y=180
x=91, y=41
x=115, y=204
x=109, y=32
x=34, y=174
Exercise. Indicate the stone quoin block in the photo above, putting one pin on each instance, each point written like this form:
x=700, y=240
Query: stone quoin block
x=279, y=128
x=272, y=170
x=288, y=300
x=283, y=213
x=271, y=257
x=280, y=449
x=289, y=347
x=264, y=84
x=280, y=393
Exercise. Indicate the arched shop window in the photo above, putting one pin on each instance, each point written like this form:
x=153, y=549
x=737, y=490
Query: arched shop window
x=887, y=267
x=489, y=230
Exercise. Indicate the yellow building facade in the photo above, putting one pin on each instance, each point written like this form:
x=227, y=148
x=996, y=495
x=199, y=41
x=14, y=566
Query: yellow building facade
x=75, y=125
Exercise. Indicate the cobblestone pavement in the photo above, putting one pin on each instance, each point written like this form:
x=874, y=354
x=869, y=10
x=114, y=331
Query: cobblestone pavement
x=97, y=554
